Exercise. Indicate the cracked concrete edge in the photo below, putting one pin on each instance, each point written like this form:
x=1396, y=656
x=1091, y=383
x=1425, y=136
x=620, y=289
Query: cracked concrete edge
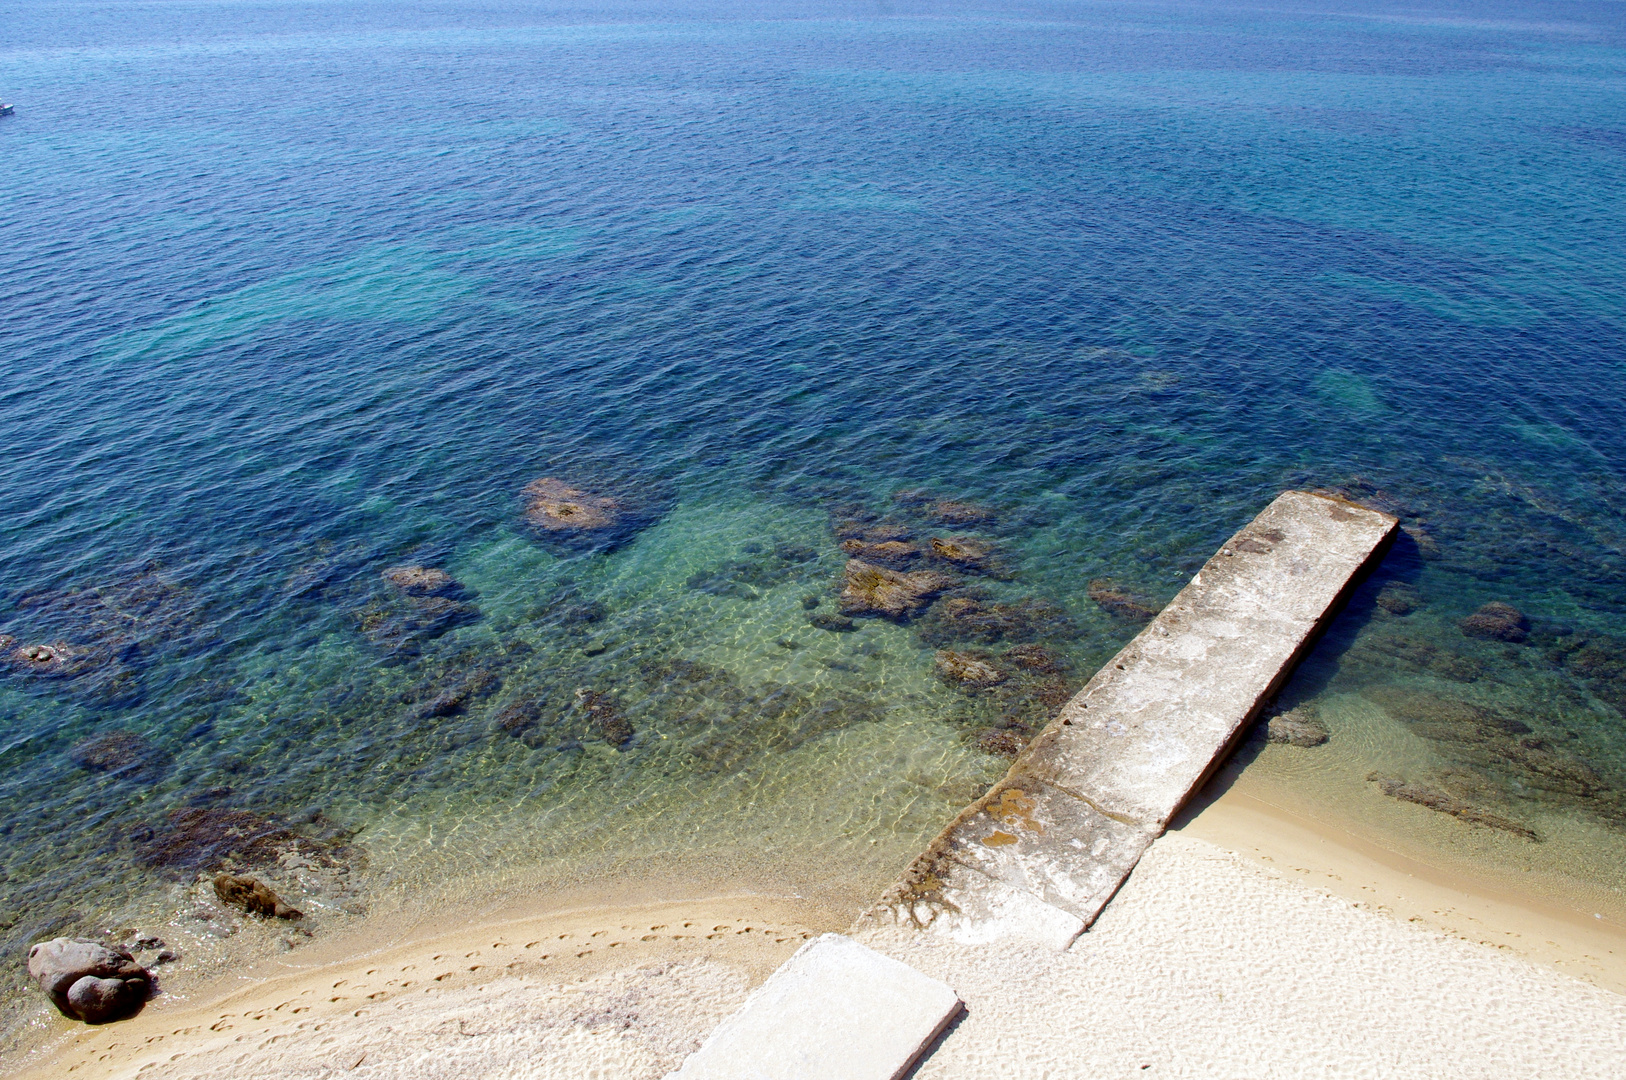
x=1045, y=888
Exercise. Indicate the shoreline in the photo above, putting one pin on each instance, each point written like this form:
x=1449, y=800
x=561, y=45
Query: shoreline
x=638, y=984
x=355, y=987
x=1563, y=932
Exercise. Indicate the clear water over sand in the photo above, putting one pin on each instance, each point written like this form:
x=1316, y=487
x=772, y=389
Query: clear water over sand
x=296, y=294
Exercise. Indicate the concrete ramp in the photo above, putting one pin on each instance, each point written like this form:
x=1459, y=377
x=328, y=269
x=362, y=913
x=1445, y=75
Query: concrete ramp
x=1041, y=854
x=835, y=1011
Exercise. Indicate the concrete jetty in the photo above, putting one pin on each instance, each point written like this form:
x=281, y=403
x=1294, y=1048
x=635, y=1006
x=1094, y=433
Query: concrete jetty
x=1041, y=854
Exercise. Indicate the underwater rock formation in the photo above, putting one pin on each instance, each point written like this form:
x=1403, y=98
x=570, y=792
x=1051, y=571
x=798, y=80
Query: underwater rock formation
x=1597, y=659
x=422, y=581
x=96, y=675
x=1487, y=738
x=1398, y=598
x=866, y=528
x=88, y=981
x=969, y=554
x=89, y=642
x=593, y=516
x=604, y=716
x=400, y=628
x=1115, y=600
x=253, y=896
x=194, y=838
x=519, y=716
x=1001, y=741
x=1497, y=622
x=954, y=512
x=892, y=554
x=972, y=618
x=1384, y=653
x=453, y=685
x=557, y=507
x=829, y=620
x=123, y=754
x=1299, y=726
x=875, y=590
x=1445, y=803
x=967, y=671
x=1037, y=659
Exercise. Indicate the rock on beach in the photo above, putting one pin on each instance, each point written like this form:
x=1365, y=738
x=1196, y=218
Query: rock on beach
x=88, y=981
x=253, y=896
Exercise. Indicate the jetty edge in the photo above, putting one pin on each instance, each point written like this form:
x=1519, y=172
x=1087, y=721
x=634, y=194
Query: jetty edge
x=1041, y=853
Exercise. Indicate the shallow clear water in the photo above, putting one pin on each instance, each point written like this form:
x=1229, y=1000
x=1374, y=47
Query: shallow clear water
x=295, y=293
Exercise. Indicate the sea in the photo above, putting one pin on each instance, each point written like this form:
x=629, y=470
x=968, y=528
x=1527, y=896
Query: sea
x=297, y=298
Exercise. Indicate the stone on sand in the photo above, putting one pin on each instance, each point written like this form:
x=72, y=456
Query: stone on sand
x=88, y=981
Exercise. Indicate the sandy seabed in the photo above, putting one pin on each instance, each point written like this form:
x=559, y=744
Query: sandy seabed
x=1245, y=945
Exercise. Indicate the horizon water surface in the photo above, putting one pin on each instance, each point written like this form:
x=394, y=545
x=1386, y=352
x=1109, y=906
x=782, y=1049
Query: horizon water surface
x=296, y=293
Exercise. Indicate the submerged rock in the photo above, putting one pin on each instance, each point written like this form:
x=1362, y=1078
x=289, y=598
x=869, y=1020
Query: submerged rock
x=123, y=754
x=1497, y=622
x=953, y=512
x=1491, y=740
x=555, y=506
x=829, y=620
x=875, y=590
x=520, y=715
x=96, y=674
x=422, y=581
x=88, y=981
x=194, y=838
x=865, y=528
x=1387, y=653
x=400, y=628
x=90, y=642
x=253, y=896
x=967, y=553
x=1115, y=600
x=967, y=618
x=1598, y=659
x=893, y=554
x=605, y=717
x=1037, y=659
x=1398, y=598
x=580, y=514
x=1001, y=741
x=1298, y=726
x=1445, y=803
x=967, y=671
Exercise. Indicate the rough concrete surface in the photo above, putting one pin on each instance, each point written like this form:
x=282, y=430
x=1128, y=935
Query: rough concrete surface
x=835, y=1011
x=1077, y=809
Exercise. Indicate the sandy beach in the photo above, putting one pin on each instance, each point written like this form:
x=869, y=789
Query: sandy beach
x=1247, y=943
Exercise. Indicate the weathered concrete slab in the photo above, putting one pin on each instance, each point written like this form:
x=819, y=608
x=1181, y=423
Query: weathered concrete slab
x=835, y=1011
x=1069, y=821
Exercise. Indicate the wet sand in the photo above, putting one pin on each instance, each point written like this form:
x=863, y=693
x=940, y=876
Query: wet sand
x=1250, y=941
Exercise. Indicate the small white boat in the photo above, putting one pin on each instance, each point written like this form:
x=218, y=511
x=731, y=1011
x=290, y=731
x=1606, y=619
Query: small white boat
x=6, y=110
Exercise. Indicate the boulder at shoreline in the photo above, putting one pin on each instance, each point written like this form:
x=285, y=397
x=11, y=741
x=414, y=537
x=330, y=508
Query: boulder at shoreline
x=88, y=981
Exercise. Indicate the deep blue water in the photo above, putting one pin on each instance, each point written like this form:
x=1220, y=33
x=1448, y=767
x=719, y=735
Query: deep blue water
x=295, y=292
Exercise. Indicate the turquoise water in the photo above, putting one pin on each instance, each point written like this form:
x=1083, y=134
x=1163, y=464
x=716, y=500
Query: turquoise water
x=297, y=293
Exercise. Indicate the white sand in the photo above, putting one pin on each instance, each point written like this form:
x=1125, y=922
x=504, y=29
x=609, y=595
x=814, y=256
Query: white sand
x=1207, y=964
